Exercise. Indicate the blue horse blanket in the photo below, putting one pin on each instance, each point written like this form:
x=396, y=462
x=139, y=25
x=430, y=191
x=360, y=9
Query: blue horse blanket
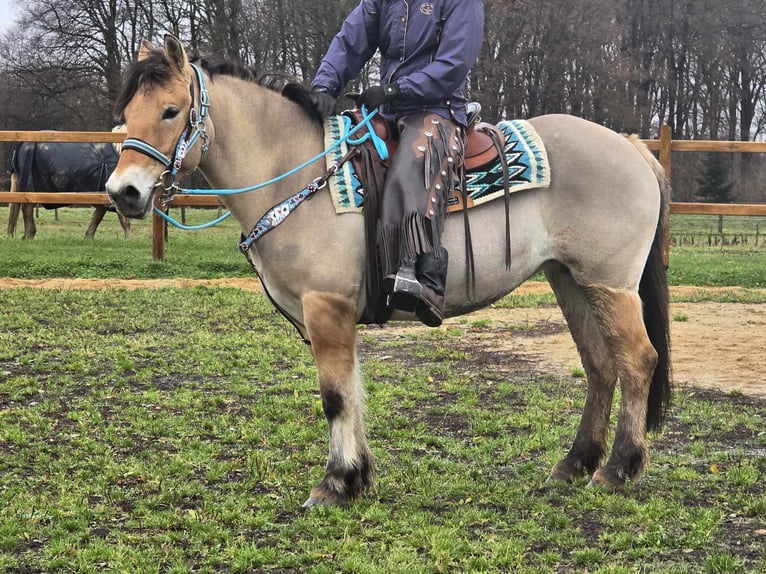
x=524, y=151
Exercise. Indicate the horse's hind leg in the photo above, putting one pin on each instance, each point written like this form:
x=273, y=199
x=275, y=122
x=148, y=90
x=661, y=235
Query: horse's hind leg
x=30, y=227
x=330, y=321
x=13, y=218
x=98, y=215
x=590, y=445
x=620, y=316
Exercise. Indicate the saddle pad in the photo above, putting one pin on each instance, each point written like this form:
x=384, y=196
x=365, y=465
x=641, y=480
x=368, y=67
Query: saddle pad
x=527, y=164
x=344, y=185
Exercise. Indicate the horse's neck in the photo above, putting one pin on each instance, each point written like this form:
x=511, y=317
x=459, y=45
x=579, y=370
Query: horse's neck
x=258, y=135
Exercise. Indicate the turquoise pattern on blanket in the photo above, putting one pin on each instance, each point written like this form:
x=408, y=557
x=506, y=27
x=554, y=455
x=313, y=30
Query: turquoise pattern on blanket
x=524, y=150
x=345, y=186
x=527, y=164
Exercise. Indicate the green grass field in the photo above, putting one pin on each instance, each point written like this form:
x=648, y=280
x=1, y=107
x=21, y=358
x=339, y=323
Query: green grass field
x=179, y=430
x=60, y=250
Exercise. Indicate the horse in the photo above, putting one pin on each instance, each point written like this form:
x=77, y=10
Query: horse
x=61, y=167
x=596, y=232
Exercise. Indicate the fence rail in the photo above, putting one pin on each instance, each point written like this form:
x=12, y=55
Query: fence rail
x=97, y=198
x=665, y=145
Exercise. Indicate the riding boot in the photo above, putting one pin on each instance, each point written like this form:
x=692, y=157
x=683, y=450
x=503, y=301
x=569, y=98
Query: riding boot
x=404, y=288
x=432, y=274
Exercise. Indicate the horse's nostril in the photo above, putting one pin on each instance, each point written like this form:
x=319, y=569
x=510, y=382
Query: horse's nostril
x=131, y=194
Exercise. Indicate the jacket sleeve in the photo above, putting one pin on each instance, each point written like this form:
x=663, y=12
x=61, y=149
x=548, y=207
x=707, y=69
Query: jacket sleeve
x=458, y=50
x=350, y=49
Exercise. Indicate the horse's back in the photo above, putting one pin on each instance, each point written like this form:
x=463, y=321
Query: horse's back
x=604, y=201
x=580, y=150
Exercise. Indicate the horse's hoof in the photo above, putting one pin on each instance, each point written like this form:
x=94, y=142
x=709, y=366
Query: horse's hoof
x=313, y=501
x=564, y=471
x=558, y=478
x=610, y=481
x=609, y=488
x=319, y=497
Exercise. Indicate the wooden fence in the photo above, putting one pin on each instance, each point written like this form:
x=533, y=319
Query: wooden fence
x=664, y=146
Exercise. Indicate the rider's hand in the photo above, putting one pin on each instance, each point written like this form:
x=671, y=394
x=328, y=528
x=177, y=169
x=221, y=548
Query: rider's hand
x=324, y=102
x=375, y=96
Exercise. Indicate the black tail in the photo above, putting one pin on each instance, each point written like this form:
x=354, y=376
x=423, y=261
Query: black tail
x=13, y=217
x=14, y=208
x=654, y=293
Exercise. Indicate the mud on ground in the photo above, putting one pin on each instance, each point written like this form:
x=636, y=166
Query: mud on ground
x=716, y=346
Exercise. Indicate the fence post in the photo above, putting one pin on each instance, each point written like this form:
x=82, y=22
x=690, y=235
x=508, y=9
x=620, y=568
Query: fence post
x=666, y=141
x=158, y=231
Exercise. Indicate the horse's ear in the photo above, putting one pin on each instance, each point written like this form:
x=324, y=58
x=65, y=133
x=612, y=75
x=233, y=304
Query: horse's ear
x=146, y=48
x=175, y=52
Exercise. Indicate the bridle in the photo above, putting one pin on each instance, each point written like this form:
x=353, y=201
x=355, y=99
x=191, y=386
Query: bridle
x=194, y=130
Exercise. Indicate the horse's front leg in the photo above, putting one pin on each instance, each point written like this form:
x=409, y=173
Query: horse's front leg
x=98, y=215
x=125, y=222
x=330, y=321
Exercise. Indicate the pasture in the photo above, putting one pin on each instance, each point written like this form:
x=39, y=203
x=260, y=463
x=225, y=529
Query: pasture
x=59, y=250
x=178, y=430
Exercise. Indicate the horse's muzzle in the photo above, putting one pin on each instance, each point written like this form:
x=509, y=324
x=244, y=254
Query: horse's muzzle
x=129, y=201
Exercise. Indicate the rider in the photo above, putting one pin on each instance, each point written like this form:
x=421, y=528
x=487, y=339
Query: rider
x=427, y=50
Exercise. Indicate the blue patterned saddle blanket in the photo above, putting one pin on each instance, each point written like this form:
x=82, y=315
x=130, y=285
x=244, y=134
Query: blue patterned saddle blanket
x=524, y=150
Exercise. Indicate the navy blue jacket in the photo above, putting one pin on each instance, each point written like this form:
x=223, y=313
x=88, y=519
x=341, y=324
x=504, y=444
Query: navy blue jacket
x=427, y=49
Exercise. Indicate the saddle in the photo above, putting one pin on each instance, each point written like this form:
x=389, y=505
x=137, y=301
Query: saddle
x=484, y=142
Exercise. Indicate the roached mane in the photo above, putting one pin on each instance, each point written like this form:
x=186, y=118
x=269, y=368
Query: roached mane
x=155, y=70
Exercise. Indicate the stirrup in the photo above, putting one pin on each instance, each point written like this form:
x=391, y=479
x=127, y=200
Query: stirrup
x=407, y=290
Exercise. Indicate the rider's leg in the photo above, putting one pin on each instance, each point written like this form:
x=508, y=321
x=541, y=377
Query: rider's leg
x=423, y=172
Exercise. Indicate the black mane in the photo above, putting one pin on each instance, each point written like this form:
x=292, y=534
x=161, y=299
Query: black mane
x=151, y=71
x=155, y=69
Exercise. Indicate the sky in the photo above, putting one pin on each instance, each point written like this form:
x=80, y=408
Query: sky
x=8, y=13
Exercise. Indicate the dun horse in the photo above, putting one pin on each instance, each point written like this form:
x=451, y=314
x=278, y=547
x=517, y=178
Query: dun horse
x=61, y=167
x=596, y=232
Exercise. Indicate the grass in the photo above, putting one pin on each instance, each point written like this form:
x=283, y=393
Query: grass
x=717, y=265
x=60, y=250
x=180, y=430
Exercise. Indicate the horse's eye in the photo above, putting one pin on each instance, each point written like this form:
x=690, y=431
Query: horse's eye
x=170, y=113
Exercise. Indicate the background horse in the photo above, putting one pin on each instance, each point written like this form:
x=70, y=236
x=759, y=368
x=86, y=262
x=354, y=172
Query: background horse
x=596, y=232
x=61, y=167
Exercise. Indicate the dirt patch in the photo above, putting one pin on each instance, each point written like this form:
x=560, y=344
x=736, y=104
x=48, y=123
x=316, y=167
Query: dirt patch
x=718, y=346
x=56, y=283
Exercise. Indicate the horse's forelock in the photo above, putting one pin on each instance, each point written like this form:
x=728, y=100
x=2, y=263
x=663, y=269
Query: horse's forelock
x=151, y=71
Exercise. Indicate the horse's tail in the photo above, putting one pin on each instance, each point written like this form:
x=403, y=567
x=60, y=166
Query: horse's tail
x=654, y=293
x=14, y=208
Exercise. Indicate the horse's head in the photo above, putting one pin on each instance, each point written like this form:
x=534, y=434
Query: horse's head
x=157, y=102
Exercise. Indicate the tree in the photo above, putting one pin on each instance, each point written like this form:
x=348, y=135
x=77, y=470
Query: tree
x=714, y=184
x=698, y=65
